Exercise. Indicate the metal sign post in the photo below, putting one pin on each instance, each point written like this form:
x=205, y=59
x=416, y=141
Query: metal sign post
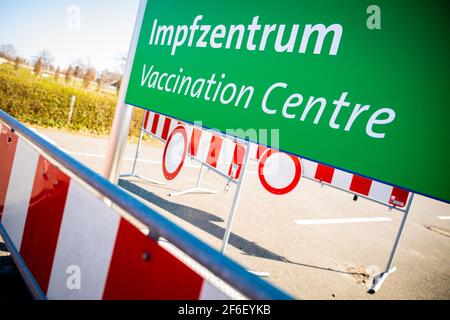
x=123, y=115
x=71, y=107
x=133, y=173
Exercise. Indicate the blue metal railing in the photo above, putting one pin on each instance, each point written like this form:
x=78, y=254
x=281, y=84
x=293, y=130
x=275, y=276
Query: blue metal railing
x=232, y=273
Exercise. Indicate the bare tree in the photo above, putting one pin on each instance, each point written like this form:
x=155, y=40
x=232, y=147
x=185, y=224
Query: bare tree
x=118, y=85
x=79, y=72
x=110, y=77
x=38, y=68
x=81, y=67
x=57, y=74
x=122, y=61
x=8, y=51
x=17, y=63
x=100, y=84
x=84, y=63
x=69, y=75
x=46, y=58
x=89, y=77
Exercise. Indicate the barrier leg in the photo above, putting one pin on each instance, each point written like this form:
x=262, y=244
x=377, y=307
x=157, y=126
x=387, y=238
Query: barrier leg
x=138, y=150
x=31, y=283
x=233, y=210
x=261, y=274
x=234, y=206
x=226, y=189
x=379, y=279
x=197, y=188
x=136, y=157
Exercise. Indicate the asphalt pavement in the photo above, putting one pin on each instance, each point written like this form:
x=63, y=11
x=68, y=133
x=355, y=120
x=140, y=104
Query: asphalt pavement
x=315, y=243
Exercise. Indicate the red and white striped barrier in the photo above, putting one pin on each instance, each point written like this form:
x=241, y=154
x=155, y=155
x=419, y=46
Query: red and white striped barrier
x=279, y=173
x=256, y=151
x=227, y=156
x=75, y=245
x=222, y=154
x=356, y=184
x=158, y=125
x=219, y=153
x=287, y=175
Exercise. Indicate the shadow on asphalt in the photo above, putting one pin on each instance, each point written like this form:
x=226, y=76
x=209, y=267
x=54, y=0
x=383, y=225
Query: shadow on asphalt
x=3, y=247
x=204, y=220
x=12, y=287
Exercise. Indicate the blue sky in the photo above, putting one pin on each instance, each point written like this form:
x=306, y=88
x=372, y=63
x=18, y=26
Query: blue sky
x=102, y=34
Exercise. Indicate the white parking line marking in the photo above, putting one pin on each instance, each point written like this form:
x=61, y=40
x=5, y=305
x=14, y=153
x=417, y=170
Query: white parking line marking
x=101, y=156
x=81, y=154
x=343, y=220
x=43, y=136
x=444, y=217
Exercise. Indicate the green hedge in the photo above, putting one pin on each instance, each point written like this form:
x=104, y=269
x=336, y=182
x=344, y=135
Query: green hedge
x=45, y=102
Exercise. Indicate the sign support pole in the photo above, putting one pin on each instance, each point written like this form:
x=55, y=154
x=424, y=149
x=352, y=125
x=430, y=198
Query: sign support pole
x=379, y=279
x=136, y=157
x=123, y=115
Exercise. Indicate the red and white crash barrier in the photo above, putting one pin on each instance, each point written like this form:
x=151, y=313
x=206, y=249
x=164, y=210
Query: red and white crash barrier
x=74, y=244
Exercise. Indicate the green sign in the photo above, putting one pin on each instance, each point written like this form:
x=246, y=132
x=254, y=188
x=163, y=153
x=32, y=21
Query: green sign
x=358, y=85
